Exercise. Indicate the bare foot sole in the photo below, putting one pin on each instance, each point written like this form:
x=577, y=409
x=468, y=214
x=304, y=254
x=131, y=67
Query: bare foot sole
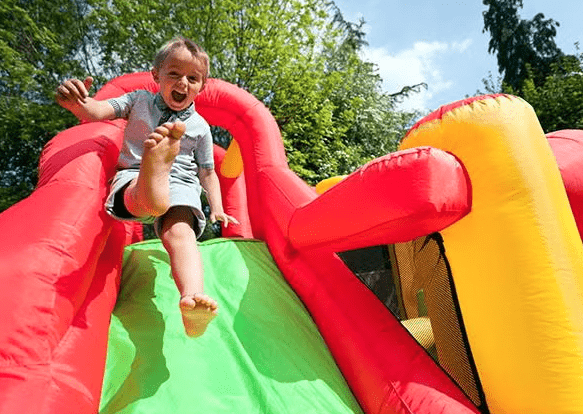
x=151, y=193
x=197, y=312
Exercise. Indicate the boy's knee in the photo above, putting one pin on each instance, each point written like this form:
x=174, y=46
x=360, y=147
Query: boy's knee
x=176, y=224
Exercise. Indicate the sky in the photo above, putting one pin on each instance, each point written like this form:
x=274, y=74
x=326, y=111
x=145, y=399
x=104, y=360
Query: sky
x=442, y=43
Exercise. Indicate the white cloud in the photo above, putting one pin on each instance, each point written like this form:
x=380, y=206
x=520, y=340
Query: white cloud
x=461, y=47
x=421, y=63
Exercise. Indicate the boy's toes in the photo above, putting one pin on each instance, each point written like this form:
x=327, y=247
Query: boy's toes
x=163, y=130
x=178, y=130
x=205, y=300
x=198, y=300
x=197, y=312
x=187, y=302
x=150, y=143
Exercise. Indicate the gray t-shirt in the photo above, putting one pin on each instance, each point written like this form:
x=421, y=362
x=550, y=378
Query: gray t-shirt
x=143, y=110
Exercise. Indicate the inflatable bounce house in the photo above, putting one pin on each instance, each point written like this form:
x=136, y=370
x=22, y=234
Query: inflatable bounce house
x=445, y=278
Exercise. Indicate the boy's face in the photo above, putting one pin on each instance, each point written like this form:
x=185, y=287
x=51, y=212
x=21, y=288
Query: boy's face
x=180, y=79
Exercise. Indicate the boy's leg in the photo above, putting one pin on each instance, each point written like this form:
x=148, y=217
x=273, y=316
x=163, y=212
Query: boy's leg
x=149, y=194
x=179, y=239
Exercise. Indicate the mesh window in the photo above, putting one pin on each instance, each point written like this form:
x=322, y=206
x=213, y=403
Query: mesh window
x=414, y=282
x=373, y=267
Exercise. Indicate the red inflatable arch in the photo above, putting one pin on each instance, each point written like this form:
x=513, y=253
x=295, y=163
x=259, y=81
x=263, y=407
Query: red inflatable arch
x=567, y=146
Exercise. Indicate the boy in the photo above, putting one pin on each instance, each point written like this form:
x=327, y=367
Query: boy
x=157, y=174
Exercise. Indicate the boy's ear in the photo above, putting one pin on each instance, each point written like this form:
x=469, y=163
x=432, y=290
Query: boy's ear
x=154, y=72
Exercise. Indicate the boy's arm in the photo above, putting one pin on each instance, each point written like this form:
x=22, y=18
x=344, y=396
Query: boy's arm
x=210, y=182
x=74, y=96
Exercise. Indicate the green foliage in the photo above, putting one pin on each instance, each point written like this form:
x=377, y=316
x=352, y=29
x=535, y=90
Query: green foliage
x=558, y=102
x=533, y=67
x=25, y=127
x=300, y=57
x=519, y=42
x=39, y=42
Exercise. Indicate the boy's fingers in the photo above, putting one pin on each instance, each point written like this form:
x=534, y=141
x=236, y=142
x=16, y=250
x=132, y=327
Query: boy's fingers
x=62, y=91
x=79, y=88
x=230, y=219
x=226, y=219
x=69, y=89
x=87, y=83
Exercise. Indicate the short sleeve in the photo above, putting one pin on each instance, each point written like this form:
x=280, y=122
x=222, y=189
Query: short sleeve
x=204, y=151
x=123, y=104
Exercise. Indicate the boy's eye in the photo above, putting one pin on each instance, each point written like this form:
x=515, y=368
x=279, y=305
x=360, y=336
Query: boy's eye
x=193, y=79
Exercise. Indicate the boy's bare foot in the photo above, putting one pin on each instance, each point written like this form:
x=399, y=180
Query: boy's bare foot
x=172, y=130
x=197, y=312
x=149, y=194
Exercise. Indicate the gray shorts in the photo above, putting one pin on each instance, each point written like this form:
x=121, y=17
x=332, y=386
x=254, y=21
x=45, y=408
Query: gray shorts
x=182, y=193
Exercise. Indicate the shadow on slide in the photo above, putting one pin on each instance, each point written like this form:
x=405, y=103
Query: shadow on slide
x=262, y=354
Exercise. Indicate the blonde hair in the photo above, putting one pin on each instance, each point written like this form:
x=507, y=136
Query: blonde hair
x=197, y=53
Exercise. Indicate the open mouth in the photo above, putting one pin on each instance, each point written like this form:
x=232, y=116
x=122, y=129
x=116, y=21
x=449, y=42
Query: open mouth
x=178, y=97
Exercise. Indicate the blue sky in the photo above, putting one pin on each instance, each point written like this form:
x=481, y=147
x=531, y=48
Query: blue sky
x=442, y=44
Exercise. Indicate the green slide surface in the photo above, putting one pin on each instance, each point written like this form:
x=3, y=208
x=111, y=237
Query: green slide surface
x=262, y=354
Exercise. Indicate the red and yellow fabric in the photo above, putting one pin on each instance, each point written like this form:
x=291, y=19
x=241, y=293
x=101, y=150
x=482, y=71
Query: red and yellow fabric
x=516, y=258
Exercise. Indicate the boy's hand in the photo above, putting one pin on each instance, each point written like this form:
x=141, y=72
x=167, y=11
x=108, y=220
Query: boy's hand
x=225, y=218
x=73, y=92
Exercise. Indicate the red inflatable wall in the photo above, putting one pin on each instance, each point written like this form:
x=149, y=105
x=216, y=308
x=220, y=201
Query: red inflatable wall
x=567, y=145
x=60, y=260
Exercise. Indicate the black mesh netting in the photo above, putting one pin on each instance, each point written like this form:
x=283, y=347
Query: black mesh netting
x=414, y=282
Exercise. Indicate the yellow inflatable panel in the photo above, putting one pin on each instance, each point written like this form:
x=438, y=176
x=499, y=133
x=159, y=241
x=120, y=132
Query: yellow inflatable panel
x=328, y=183
x=232, y=165
x=516, y=258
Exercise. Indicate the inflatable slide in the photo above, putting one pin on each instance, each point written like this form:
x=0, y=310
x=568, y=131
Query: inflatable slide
x=298, y=330
x=263, y=354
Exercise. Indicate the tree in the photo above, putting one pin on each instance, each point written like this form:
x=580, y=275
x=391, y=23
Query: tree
x=519, y=42
x=34, y=47
x=374, y=126
x=297, y=56
x=533, y=67
x=358, y=120
x=558, y=102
